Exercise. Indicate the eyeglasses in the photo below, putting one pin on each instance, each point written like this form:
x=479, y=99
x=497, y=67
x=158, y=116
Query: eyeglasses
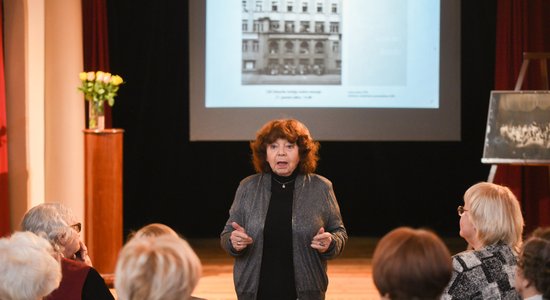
x=77, y=227
x=460, y=210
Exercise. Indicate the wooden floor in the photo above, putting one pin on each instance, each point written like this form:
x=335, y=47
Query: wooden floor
x=350, y=275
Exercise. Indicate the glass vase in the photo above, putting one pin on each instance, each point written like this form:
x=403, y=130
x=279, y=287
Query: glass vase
x=96, y=115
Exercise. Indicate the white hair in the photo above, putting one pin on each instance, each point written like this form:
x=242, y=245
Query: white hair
x=28, y=267
x=157, y=268
x=52, y=220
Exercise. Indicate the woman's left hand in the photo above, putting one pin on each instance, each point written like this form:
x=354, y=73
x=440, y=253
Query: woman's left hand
x=321, y=241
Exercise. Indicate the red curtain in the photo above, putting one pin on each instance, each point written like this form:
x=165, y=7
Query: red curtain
x=96, y=42
x=4, y=204
x=523, y=26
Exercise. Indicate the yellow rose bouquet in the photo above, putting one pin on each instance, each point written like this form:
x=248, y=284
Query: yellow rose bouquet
x=99, y=87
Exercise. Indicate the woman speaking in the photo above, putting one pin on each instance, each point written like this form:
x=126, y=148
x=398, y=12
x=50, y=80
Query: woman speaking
x=284, y=223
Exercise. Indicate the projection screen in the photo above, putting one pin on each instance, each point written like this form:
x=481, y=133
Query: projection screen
x=351, y=70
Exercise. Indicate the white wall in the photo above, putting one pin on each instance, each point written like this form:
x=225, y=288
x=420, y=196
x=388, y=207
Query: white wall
x=64, y=109
x=45, y=114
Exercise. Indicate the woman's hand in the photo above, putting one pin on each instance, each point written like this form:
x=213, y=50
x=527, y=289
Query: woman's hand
x=239, y=238
x=321, y=241
x=82, y=255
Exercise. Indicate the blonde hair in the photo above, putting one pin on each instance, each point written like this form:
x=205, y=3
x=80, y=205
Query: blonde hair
x=496, y=213
x=154, y=229
x=161, y=267
x=28, y=269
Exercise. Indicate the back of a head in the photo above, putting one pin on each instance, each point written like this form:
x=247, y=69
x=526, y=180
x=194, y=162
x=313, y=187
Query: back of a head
x=157, y=268
x=411, y=264
x=28, y=269
x=542, y=233
x=534, y=261
x=154, y=229
x=496, y=213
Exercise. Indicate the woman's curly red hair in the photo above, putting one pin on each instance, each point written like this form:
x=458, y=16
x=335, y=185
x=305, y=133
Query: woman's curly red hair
x=293, y=131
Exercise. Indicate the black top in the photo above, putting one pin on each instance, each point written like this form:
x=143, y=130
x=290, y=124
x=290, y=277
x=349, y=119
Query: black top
x=277, y=272
x=94, y=287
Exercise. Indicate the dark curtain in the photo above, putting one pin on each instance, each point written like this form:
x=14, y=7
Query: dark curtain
x=190, y=185
x=523, y=26
x=96, y=43
x=4, y=204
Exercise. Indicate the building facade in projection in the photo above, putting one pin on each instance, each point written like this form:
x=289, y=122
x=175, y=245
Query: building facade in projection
x=291, y=37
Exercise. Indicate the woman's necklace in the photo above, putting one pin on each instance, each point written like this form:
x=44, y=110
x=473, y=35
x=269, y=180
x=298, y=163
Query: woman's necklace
x=284, y=183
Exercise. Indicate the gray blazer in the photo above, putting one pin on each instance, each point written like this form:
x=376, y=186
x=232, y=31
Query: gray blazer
x=314, y=206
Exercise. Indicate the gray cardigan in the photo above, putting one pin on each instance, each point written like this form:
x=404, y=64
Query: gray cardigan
x=314, y=206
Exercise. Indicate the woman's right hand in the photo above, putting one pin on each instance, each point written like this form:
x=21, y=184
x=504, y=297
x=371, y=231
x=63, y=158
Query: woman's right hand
x=239, y=238
x=82, y=254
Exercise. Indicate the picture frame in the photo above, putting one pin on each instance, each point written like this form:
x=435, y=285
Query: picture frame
x=518, y=128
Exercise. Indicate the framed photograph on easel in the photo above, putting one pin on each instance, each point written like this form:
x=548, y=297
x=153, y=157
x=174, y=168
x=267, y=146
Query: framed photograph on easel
x=518, y=128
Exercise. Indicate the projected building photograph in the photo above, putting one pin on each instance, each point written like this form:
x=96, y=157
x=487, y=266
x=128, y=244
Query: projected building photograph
x=291, y=42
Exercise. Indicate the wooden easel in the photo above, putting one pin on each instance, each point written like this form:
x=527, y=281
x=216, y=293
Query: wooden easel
x=543, y=58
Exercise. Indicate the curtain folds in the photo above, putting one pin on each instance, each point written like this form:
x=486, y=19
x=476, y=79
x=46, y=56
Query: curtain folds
x=4, y=201
x=523, y=26
x=96, y=42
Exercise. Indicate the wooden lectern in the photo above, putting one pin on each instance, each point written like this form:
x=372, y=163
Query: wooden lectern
x=103, y=196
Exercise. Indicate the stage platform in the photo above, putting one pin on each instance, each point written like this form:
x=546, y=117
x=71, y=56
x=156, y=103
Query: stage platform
x=350, y=275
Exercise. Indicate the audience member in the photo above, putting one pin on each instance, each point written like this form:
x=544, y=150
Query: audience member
x=154, y=229
x=411, y=264
x=533, y=272
x=492, y=224
x=157, y=267
x=28, y=267
x=57, y=223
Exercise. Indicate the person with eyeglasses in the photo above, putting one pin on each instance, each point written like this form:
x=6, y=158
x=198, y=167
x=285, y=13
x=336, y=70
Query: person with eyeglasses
x=60, y=227
x=492, y=224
